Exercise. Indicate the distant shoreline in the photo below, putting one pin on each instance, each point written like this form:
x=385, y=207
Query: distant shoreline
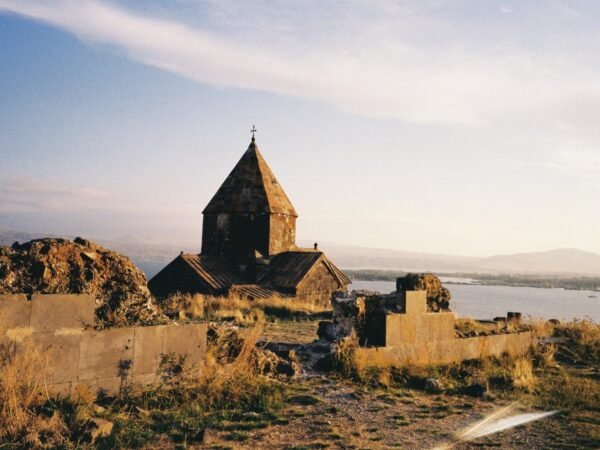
x=574, y=283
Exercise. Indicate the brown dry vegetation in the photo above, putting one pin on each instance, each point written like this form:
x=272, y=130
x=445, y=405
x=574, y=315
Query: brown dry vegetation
x=21, y=380
x=240, y=309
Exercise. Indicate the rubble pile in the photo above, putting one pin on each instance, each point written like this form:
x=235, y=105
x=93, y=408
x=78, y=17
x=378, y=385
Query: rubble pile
x=227, y=343
x=61, y=266
x=362, y=314
x=438, y=297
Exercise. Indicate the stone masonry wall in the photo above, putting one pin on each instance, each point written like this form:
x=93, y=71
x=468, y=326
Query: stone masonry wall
x=282, y=233
x=317, y=286
x=397, y=330
x=105, y=360
x=447, y=351
x=418, y=337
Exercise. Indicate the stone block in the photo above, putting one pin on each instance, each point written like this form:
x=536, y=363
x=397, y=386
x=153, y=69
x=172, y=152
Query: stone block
x=147, y=349
x=400, y=329
x=440, y=325
x=106, y=354
x=51, y=312
x=62, y=354
x=446, y=351
x=15, y=312
x=415, y=302
x=17, y=335
x=187, y=340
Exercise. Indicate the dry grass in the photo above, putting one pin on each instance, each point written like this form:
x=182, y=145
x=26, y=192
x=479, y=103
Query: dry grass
x=22, y=393
x=239, y=309
x=468, y=325
x=541, y=328
x=366, y=369
x=521, y=374
x=230, y=381
x=583, y=338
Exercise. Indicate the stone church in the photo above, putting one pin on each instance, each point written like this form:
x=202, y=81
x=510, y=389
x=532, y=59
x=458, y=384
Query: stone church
x=249, y=245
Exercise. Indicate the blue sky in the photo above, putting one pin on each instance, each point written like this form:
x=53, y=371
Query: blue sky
x=462, y=127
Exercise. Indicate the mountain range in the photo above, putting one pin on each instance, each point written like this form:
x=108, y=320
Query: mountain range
x=563, y=261
x=151, y=256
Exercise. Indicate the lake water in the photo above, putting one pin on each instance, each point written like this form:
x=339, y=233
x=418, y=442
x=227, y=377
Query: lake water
x=486, y=302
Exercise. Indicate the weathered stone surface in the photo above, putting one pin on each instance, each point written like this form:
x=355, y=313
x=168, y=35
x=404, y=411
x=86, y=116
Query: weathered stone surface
x=438, y=297
x=50, y=312
x=111, y=359
x=449, y=351
x=105, y=354
x=190, y=342
x=415, y=302
x=15, y=312
x=148, y=347
x=60, y=266
x=318, y=285
x=62, y=353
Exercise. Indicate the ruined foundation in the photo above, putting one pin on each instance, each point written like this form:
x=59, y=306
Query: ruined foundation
x=397, y=329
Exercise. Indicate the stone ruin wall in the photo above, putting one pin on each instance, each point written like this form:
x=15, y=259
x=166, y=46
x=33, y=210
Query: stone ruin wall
x=61, y=327
x=406, y=334
x=448, y=351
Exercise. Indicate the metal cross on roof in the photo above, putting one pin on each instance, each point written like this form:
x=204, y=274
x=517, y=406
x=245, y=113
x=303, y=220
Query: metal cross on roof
x=253, y=130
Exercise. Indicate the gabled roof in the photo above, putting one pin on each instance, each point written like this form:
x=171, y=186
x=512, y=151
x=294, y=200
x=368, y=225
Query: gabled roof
x=251, y=187
x=286, y=270
x=214, y=271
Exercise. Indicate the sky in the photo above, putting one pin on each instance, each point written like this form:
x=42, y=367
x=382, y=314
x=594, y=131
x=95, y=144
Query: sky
x=456, y=127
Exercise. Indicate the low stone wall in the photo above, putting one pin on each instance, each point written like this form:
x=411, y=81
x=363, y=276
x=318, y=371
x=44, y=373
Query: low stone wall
x=406, y=334
x=418, y=328
x=447, y=351
x=102, y=360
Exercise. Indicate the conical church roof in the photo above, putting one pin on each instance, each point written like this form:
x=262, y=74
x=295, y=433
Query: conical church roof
x=251, y=187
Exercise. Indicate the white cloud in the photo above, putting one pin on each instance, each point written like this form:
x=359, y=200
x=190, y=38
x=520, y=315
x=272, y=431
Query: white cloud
x=382, y=65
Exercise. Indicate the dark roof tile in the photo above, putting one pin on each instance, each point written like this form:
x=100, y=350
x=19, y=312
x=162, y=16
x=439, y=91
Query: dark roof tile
x=214, y=271
x=251, y=187
x=286, y=270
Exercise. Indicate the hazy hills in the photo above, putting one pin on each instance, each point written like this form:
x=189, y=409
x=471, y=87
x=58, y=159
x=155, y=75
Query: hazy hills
x=558, y=261
x=151, y=256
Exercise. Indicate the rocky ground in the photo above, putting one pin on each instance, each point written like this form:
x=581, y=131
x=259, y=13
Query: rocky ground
x=325, y=411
